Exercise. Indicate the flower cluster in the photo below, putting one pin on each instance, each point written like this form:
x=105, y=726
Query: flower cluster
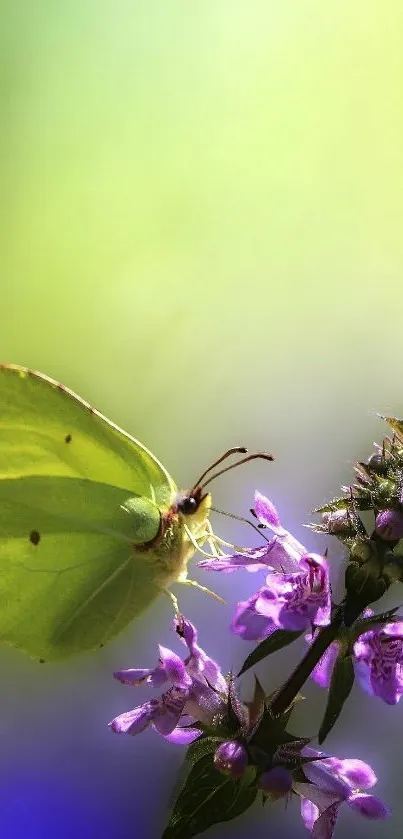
x=296, y=593
x=196, y=692
x=198, y=695
x=238, y=749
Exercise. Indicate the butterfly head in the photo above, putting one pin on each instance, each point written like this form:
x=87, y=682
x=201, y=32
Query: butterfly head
x=194, y=505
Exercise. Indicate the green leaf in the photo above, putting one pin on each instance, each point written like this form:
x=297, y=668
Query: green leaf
x=271, y=733
x=200, y=748
x=341, y=684
x=362, y=501
x=256, y=707
x=208, y=797
x=204, y=745
x=276, y=641
x=337, y=504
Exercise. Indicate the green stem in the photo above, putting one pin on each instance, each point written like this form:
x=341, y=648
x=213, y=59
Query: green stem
x=294, y=683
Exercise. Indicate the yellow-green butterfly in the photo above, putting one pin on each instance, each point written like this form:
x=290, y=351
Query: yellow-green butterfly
x=92, y=527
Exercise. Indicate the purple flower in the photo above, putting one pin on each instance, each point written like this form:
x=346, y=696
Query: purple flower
x=231, y=758
x=287, y=601
x=197, y=692
x=198, y=662
x=389, y=525
x=163, y=713
x=282, y=553
x=377, y=660
x=332, y=782
x=170, y=668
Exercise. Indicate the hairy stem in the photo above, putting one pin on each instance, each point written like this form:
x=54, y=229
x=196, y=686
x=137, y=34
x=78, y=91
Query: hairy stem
x=303, y=670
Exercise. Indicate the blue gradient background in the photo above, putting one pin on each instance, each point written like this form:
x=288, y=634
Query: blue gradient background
x=201, y=233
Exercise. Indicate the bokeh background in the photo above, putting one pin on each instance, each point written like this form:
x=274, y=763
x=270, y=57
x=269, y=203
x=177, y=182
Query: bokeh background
x=202, y=209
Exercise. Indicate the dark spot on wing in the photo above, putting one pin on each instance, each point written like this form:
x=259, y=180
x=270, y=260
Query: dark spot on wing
x=101, y=645
x=42, y=661
x=34, y=537
x=67, y=438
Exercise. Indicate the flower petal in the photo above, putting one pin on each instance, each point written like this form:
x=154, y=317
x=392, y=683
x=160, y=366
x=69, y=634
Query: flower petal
x=324, y=775
x=285, y=553
x=134, y=676
x=248, y=624
x=295, y=601
x=356, y=773
x=322, y=673
x=255, y=559
x=203, y=703
x=170, y=709
x=368, y=805
x=309, y=810
x=326, y=823
x=135, y=721
x=341, y=775
x=183, y=736
x=198, y=662
x=394, y=630
x=319, y=810
x=318, y=798
x=286, y=550
x=266, y=512
x=174, y=668
x=378, y=662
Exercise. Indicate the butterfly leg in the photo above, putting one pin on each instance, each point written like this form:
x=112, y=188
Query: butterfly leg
x=173, y=599
x=183, y=579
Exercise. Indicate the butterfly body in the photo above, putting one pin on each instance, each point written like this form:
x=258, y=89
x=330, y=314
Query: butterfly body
x=92, y=527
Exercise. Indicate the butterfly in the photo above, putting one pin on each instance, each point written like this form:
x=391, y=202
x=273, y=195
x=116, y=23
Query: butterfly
x=92, y=526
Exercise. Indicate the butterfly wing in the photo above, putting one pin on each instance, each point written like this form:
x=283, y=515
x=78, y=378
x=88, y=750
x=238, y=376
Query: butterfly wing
x=46, y=429
x=77, y=495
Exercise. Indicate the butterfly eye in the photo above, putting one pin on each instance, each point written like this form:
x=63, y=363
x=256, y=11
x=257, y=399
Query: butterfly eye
x=188, y=505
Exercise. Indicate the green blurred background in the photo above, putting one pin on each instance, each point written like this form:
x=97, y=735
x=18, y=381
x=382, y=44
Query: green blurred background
x=201, y=233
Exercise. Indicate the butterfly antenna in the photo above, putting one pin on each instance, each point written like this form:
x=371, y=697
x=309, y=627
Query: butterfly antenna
x=241, y=518
x=233, y=450
x=254, y=456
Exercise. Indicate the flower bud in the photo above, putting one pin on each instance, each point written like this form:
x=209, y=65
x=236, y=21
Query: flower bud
x=338, y=521
x=377, y=463
x=231, y=758
x=386, y=489
x=393, y=569
x=360, y=550
x=275, y=783
x=389, y=525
